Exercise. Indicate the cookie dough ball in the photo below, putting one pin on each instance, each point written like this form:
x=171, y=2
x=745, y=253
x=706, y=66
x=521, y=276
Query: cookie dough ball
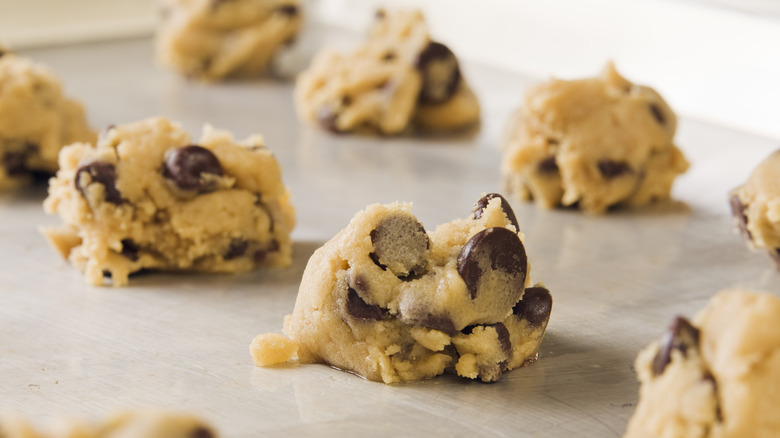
x=397, y=78
x=211, y=39
x=141, y=424
x=594, y=143
x=715, y=377
x=756, y=207
x=36, y=120
x=148, y=197
x=392, y=302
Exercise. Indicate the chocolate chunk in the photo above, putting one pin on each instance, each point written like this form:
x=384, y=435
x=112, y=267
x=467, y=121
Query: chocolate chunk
x=202, y=432
x=401, y=245
x=359, y=309
x=613, y=169
x=440, y=73
x=548, y=165
x=658, y=114
x=738, y=210
x=681, y=336
x=130, y=249
x=15, y=162
x=503, y=337
x=481, y=205
x=495, y=249
x=535, y=307
x=237, y=248
x=288, y=10
x=101, y=173
x=357, y=282
x=437, y=322
x=186, y=167
x=262, y=254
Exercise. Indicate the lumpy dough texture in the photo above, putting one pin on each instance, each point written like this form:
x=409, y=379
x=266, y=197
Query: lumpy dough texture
x=718, y=377
x=36, y=120
x=756, y=207
x=138, y=424
x=595, y=143
x=213, y=39
x=391, y=302
x=148, y=198
x=397, y=78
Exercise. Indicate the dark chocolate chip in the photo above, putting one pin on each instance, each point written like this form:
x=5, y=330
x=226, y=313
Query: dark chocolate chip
x=681, y=336
x=658, y=114
x=503, y=337
x=440, y=73
x=359, y=309
x=101, y=173
x=15, y=162
x=481, y=205
x=236, y=249
x=130, y=249
x=401, y=245
x=437, y=322
x=288, y=10
x=548, y=165
x=202, y=432
x=262, y=254
x=738, y=210
x=346, y=101
x=389, y=56
x=535, y=307
x=2, y=53
x=613, y=169
x=185, y=166
x=358, y=282
x=496, y=249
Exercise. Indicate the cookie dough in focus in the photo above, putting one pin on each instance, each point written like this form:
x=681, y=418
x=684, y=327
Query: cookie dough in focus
x=756, y=207
x=393, y=303
x=147, y=197
x=142, y=424
x=715, y=377
x=36, y=120
x=213, y=39
x=397, y=78
x=594, y=143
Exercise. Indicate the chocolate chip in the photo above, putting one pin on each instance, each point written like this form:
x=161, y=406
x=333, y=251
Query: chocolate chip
x=494, y=250
x=327, y=118
x=288, y=10
x=613, y=169
x=658, y=114
x=186, y=167
x=359, y=309
x=380, y=14
x=236, y=249
x=775, y=254
x=101, y=173
x=262, y=254
x=389, y=56
x=130, y=249
x=346, y=101
x=202, y=432
x=2, y=53
x=548, y=165
x=535, y=307
x=738, y=210
x=681, y=336
x=401, y=245
x=15, y=162
x=357, y=282
x=481, y=205
x=440, y=73
x=503, y=337
x=437, y=322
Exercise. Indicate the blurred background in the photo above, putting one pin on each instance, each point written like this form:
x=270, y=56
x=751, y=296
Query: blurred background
x=714, y=60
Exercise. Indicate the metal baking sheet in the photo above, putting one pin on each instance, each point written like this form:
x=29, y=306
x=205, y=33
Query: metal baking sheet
x=180, y=341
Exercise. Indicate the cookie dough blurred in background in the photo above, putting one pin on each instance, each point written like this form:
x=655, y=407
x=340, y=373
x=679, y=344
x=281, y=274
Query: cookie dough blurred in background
x=716, y=60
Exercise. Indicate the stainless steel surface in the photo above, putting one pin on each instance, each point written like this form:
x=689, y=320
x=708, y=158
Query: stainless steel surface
x=181, y=341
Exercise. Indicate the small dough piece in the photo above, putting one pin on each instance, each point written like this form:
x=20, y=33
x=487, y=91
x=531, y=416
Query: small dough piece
x=756, y=207
x=393, y=303
x=147, y=198
x=718, y=377
x=213, y=39
x=36, y=120
x=398, y=77
x=595, y=143
x=138, y=424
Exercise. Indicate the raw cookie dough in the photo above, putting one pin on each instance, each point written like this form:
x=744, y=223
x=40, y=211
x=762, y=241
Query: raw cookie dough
x=212, y=39
x=148, y=198
x=141, y=424
x=756, y=207
x=398, y=77
x=718, y=377
x=594, y=143
x=36, y=120
x=393, y=303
